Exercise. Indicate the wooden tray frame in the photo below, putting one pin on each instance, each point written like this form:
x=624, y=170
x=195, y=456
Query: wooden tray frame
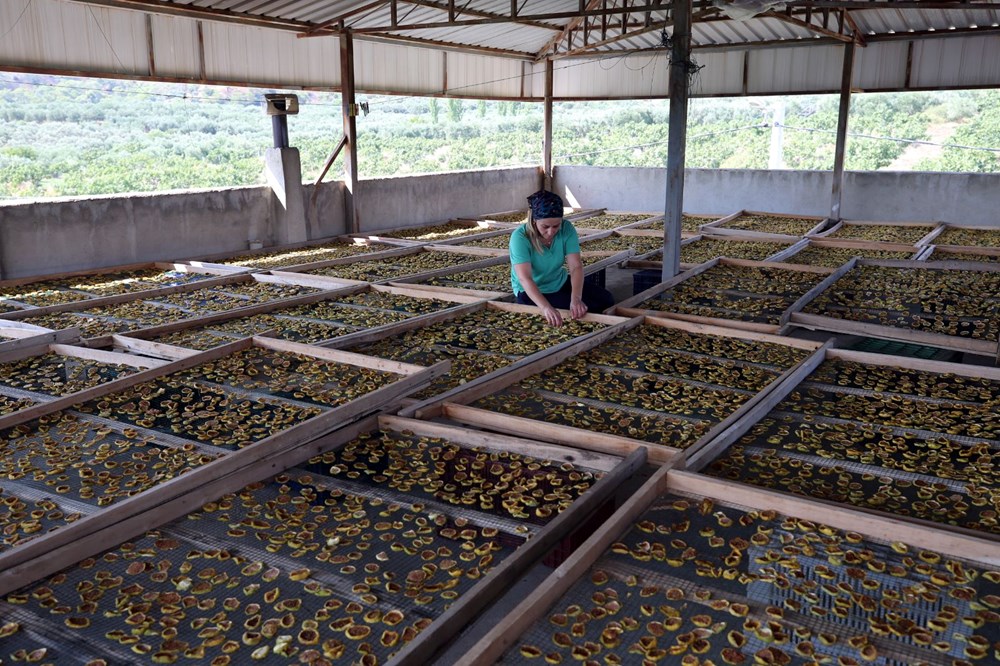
x=935, y=226
x=698, y=461
x=318, y=282
x=211, y=260
x=945, y=226
x=629, y=307
x=822, y=322
x=532, y=609
x=488, y=228
x=15, y=336
x=454, y=405
x=354, y=340
x=789, y=255
x=644, y=263
x=931, y=250
x=165, y=266
x=718, y=227
x=90, y=535
x=642, y=224
x=124, y=340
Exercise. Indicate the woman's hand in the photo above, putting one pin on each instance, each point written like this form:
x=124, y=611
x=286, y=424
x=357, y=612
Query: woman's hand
x=552, y=316
x=577, y=308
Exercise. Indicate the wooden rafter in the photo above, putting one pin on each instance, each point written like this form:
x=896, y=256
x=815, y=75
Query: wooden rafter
x=791, y=20
x=652, y=27
x=566, y=33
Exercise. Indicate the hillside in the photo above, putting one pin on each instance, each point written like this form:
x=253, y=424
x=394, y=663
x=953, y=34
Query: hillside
x=63, y=136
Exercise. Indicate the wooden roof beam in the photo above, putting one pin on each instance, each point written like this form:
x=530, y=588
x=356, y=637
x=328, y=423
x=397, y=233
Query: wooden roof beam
x=191, y=11
x=791, y=20
x=565, y=33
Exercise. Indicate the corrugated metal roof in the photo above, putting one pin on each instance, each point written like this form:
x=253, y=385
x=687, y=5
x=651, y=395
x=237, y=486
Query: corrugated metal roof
x=293, y=43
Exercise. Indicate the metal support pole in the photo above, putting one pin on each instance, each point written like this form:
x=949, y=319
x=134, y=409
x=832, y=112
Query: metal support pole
x=279, y=126
x=350, y=131
x=547, y=141
x=844, y=112
x=680, y=56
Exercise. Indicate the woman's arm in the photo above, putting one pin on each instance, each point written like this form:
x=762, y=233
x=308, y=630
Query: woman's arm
x=523, y=272
x=577, y=308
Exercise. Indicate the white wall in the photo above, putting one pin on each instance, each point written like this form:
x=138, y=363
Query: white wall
x=867, y=195
x=53, y=236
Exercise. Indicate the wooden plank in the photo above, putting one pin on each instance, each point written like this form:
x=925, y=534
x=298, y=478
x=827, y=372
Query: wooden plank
x=696, y=458
x=455, y=291
x=325, y=282
x=34, y=340
x=102, y=356
x=983, y=347
x=152, y=349
x=882, y=527
x=349, y=358
x=729, y=332
x=248, y=311
x=369, y=336
x=15, y=562
x=501, y=443
x=340, y=261
x=421, y=650
x=145, y=295
x=529, y=365
x=579, y=438
x=808, y=297
x=918, y=364
x=430, y=291
x=532, y=609
x=57, y=555
x=710, y=321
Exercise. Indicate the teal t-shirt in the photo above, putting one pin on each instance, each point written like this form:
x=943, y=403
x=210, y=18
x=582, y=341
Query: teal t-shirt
x=547, y=267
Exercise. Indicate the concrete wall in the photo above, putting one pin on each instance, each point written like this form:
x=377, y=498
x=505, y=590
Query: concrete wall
x=408, y=201
x=61, y=235
x=54, y=236
x=868, y=195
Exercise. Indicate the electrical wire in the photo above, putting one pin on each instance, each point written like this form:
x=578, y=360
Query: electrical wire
x=889, y=138
x=17, y=20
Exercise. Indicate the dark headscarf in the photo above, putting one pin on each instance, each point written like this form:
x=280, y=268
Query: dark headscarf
x=545, y=204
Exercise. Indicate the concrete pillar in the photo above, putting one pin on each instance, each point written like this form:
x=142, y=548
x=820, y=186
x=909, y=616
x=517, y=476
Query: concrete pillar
x=283, y=170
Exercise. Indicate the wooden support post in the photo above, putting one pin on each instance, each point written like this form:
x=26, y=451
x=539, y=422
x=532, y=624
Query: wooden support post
x=841, y=150
x=547, y=140
x=350, y=131
x=680, y=55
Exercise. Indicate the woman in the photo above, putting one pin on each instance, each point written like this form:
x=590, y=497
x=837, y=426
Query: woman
x=539, y=248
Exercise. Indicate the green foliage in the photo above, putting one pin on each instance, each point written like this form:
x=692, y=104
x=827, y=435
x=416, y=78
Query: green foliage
x=78, y=137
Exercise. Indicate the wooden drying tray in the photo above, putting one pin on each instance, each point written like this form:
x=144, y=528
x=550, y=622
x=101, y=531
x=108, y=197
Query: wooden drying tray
x=822, y=322
x=499, y=579
x=667, y=479
x=126, y=341
x=843, y=225
x=486, y=229
x=580, y=221
x=930, y=252
x=487, y=254
x=354, y=340
x=176, y=497
x=454, y=404
x=631, y=307
x=819, y=242
x=945, y=226
x=913, y=526
x=718, y=227
x=211, y=260
x=644, y=262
